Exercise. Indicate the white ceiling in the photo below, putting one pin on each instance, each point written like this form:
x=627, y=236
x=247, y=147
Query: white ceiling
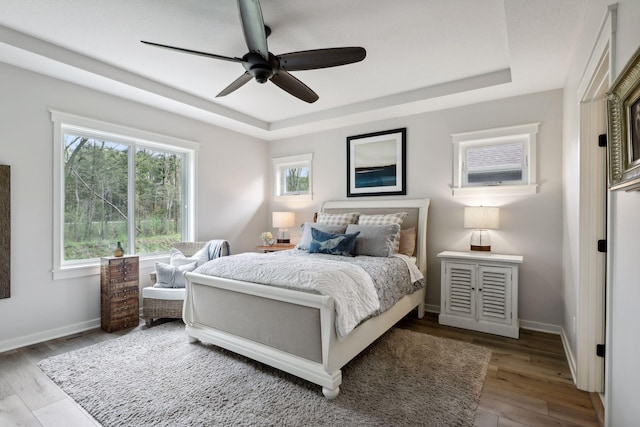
x=422, y=55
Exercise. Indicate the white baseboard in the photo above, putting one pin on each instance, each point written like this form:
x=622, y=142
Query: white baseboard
x=50, y=334
x=570, y=358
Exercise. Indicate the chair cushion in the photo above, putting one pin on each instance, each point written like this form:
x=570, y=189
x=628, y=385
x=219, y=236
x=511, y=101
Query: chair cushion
x=164, y=293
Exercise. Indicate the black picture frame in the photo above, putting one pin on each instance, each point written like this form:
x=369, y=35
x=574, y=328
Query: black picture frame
x=376, y=164
x=623, y=115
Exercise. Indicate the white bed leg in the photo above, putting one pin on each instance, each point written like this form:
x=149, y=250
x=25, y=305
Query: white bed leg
x=330, y=393
x=193, y=340
x=421, y=310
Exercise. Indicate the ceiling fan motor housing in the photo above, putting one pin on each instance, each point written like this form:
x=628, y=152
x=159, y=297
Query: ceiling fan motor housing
x=259, y=68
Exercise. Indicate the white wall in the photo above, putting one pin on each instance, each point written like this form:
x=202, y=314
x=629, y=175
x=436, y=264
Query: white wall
x=530, y=225
x=623, y=377
x=230, y=196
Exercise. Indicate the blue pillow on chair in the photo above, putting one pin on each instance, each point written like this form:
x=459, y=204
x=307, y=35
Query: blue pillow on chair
x=332, y=244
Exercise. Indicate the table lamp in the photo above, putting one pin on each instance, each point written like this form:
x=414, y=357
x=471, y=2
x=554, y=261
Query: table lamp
x=283, y=221
x=481, y=218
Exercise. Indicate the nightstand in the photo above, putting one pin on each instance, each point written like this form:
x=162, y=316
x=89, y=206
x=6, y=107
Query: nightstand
x=119, y=303
x=275, y=248
x=479, y=291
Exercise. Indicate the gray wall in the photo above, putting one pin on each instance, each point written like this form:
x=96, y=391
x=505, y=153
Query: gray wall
x=530, y=225
x=231, y=188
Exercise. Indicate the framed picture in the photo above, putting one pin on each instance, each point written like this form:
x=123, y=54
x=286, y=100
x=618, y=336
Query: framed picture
x=376, y=164
x=623, y=113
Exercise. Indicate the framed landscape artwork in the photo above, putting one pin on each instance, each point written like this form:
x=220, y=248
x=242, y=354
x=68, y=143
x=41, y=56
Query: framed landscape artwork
x=623, y=113
x=376, y=164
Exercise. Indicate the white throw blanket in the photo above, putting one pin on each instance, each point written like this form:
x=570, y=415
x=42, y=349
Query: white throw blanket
x=350, y=286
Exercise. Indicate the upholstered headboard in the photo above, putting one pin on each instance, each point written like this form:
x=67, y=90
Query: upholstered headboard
x=417, y=210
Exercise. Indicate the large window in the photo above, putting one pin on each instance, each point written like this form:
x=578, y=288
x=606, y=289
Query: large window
x=495, y=161
x=115, y=186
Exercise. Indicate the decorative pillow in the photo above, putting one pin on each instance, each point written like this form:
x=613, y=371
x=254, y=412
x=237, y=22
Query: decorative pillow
x=170, y=276
x=407, y=241
x=305, y=240
x=374, y=240
x=396, y=218
x=337, y=219
x=177, y=258
x=333, y=244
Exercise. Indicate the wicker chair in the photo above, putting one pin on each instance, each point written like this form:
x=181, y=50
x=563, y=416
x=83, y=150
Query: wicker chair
x=163, y=308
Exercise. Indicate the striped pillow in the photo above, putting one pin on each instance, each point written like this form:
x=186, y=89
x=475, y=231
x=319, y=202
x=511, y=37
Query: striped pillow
x=396, y=218
x=338, y=219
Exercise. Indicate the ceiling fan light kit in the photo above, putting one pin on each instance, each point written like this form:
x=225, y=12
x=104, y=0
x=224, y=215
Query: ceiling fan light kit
x=262, y=65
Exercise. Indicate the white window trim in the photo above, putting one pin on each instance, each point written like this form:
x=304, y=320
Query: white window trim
x=279, y=163
x=115, y=133
x=527, y=133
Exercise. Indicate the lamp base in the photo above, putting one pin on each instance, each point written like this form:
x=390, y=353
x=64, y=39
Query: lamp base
x=284, y=241
x=480, y=241
x=481, y=248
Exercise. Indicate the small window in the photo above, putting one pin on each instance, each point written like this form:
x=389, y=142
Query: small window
x=292, y=176
x=495, y=161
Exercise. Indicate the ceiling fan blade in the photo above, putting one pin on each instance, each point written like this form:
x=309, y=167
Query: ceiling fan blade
x=237, y=83
x=321, y=58
x=194, y=52
x=253, y=27
x=295, y=87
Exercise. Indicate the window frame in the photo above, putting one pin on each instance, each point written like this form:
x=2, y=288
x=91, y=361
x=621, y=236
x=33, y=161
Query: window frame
x=525, y=134
x=282, y=163
x=135, y=138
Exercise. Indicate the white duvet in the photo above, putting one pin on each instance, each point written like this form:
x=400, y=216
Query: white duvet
x=350, y=286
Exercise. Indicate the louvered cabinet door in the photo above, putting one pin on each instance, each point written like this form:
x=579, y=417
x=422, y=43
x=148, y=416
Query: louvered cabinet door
x=460, y=289
x=494, y=294
x=480, y=292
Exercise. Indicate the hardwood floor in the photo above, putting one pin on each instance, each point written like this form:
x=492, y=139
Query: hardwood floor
x=528, y=382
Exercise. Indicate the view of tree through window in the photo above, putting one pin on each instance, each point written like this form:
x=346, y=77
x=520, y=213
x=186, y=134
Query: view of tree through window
x=297, y=180
x=96, y=198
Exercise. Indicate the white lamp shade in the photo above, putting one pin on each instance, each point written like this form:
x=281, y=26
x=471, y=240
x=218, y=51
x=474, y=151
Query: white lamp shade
x=283, y=219
x=481, y=217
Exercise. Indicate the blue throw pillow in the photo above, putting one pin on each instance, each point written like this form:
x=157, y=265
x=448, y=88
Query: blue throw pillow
x=332, y=244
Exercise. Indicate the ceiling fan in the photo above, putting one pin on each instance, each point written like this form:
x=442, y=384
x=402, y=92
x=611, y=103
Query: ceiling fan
x=262, y=65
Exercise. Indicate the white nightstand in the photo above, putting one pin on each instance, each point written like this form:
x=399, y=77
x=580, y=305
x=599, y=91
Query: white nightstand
x=479, y=291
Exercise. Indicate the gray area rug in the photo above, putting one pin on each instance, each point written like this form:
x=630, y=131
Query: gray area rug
x=154, y=377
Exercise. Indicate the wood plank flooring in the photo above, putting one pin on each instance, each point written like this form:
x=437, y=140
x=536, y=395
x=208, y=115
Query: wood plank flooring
x=528, y=382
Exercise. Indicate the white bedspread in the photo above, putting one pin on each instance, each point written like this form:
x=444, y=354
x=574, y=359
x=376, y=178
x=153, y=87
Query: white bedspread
x=350, y=286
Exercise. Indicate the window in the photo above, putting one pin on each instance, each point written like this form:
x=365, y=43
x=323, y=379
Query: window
x=292, y=177
x=495, y=161
x=116, y=184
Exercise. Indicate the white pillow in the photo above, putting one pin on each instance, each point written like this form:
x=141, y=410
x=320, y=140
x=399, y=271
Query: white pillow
x=171, y=276
x=177, y=258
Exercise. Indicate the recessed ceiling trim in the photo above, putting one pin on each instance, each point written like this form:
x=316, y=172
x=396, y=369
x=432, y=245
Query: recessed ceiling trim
x=68, y=57
x=430, y=92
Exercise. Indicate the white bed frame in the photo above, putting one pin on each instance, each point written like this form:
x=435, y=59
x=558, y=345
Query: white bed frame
x=214, y=306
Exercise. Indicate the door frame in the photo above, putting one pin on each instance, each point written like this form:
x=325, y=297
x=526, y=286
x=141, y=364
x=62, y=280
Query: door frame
x=591, y=298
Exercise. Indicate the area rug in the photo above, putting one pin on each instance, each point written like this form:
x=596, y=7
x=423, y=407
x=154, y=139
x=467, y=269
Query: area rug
x=154, y=377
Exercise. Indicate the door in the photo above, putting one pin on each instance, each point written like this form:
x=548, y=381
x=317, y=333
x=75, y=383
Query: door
x=494, y=294
x=460, y=282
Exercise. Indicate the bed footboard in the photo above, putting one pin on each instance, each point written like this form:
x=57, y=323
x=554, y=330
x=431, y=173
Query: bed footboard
x=290, y=330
